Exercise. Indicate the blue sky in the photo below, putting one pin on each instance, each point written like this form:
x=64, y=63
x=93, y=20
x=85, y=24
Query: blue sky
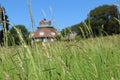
x=64, y=12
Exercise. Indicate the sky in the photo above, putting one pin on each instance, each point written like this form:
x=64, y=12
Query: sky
x=62, y=13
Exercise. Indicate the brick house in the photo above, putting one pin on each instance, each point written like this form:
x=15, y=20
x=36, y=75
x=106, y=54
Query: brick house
x=45, y=32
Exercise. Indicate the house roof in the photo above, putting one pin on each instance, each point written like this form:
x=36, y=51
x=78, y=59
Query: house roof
x=42, y=32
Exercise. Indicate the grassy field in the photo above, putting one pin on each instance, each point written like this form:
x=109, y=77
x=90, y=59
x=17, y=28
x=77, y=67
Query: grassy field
x=88, y=59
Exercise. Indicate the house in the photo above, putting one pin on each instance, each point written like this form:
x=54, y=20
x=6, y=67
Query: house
x=71, y=36
x=45, y=32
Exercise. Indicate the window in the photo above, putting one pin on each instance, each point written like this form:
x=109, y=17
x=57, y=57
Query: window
x=52, y=33
x=41, y=33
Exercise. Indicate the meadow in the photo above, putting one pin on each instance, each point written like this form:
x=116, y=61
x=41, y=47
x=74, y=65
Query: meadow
x=87, y=59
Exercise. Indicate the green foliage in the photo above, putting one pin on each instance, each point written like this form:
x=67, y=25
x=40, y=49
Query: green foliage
x=66, y=31
x=22, y=30
x=104, y=16
x=4, y=26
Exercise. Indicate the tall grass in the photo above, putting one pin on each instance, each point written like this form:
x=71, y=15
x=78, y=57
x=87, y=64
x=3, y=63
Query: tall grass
x=90, y=59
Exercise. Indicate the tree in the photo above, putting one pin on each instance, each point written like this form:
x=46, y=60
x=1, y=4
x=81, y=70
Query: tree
x=23, y=31
x=3, y=23
x=103, y=17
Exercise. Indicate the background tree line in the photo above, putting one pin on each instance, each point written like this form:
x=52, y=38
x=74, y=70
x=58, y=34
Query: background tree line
x=100, y=21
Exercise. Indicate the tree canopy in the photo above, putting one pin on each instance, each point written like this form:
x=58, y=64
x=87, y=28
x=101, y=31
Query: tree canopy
x=23, y=31
x=104, y=15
